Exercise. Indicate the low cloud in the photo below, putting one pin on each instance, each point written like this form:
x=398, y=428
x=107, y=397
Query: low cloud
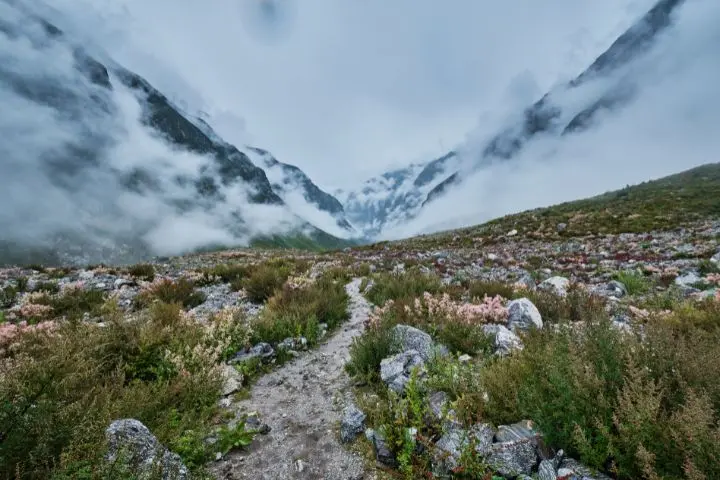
x=671, y=125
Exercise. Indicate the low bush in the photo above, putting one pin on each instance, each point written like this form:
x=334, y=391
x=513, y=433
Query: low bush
x=637, y=405
x=180, y=291
x=143, y=271
x=299, y=308
x=406, y=286
x=62, y=387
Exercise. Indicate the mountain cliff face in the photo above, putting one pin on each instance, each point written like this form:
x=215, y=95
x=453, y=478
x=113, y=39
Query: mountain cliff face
x=394, y=197
x=99, y=165
x=398, y=196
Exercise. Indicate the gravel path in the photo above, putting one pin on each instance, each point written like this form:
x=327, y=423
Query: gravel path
x=302, y=402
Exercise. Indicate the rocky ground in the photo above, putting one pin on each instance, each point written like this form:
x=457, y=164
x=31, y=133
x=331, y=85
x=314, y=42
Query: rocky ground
x=304, y=408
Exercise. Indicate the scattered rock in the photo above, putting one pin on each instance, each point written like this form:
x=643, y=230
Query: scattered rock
x=383, y=454
x=411, y=338
x=438, y=402
x=523, y=315
x=688, y=279
x=561, y=227
x=513, y=458
x=450, y=447
x=352, y=423
x=395, y=371
x=517, y=431
x=233, y=380
x=262, y=350
x=616, y=289
x=570, y=467
x=130, y=441
x=505, y=340
x=557, y=285
x=546, y=471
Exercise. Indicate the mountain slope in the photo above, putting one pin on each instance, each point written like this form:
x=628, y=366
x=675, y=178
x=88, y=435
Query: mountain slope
x=394, y=197
x=608, y=84
x=559, y=112
x=298, y=191
x=667, y=203
x=103, y=167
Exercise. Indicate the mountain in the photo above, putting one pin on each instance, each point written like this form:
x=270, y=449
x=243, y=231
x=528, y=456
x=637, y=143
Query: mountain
x=395, y=197
x=104, y=167
x=607, y=84
x=301, y=195
x=559, y=112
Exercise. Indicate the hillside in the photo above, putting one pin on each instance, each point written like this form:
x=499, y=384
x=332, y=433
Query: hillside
x=668, y=203
x=102, y=166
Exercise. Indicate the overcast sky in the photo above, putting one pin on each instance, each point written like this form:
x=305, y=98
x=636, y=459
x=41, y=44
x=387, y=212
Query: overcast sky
x=346, y=89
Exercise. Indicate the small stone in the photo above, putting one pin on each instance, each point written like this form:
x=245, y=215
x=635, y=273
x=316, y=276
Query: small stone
x=513, y=458
x=464, y=358
x=512, y=233
x=352, y=423
x=233, y=380
x=558, y=285
x=546, y=471
x=505, y=340
x=561, y=227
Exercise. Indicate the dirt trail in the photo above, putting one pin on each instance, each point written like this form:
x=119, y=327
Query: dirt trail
x=302, y=402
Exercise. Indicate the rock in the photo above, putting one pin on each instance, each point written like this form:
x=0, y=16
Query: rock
x=130, y=441
x=715, y=258
x=517, y=431
x=557, y=285
x=512, y=233
x=464, y=358
x=616, y=289
x=233, y=380
x=505, y=340
x=123, y=282
x=411, y=338
x=438, y=402
x=352, y=423
x=570, y=468
x=523, y=315
x=561, y=227
x=262, y=350
x=514, y=458
x=450, y=447
x=546, y=471
x=688, y=279
x=395, y=371
x=383, y=454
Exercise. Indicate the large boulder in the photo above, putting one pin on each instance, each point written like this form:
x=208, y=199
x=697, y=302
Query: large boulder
x=395, y=371
x=131, y=443
x=523, y=315
x=411, y=338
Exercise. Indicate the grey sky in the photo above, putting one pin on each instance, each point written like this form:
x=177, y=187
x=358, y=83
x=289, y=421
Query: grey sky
x=349, y=88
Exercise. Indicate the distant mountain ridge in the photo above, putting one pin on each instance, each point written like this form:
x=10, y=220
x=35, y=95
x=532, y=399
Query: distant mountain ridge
x=218, y=184
x=398, y=196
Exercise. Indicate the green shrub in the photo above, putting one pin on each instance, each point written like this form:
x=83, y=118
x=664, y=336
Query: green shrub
x=181, y=291
x=368, y=350
x=635, y=282
x=263, y=282
x=144, y=271
x=294, y=312
x=74, y=303
x=62, y=388
x=404, y=286
x=480, y=289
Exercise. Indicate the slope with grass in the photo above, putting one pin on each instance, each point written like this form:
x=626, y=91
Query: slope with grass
x=676, y=201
